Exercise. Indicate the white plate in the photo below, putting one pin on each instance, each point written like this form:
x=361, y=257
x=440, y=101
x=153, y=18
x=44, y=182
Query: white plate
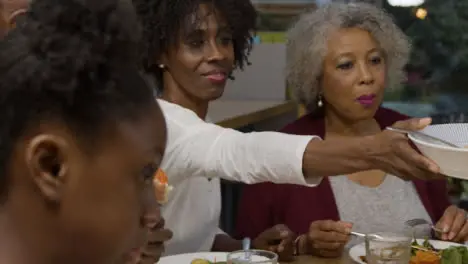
x=360, y=249
x=187, y=258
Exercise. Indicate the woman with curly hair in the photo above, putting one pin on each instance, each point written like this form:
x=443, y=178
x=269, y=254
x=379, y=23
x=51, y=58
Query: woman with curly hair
x=199, y=49
x=340, y=60
x=80, y=136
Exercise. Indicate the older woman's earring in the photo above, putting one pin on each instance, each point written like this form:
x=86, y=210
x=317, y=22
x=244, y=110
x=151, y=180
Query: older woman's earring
x=162, y=66
x=319, y=101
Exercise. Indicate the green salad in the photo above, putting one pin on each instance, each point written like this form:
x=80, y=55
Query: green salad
x=454, y=255
x=451, y=255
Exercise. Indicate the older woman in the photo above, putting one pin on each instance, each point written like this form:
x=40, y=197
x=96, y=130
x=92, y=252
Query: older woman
x=341, y=58
x=80, y=136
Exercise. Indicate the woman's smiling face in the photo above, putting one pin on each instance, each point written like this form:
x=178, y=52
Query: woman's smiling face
x=201, y=62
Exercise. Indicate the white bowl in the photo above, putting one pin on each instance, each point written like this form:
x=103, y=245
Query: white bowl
x=452, y=161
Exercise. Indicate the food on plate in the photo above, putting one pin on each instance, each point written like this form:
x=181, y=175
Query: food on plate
x=427, y=254
x=161, y=185
x=425, y=257
x=200, y=261
x=455, y=255
x=451, y=255
x=426, y=245
x=205, y=261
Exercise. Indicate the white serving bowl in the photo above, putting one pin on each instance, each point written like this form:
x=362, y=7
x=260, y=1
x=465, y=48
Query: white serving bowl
x=452, y=161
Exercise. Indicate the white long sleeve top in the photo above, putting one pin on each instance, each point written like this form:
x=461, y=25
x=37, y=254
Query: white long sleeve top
x=196, y=148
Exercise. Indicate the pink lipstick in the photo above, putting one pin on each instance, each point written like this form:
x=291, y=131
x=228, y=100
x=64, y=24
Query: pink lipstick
x=216, y=77
x=366, y=100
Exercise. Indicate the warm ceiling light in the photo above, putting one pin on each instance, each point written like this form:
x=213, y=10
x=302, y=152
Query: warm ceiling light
x=405, y=3
x=421, y=13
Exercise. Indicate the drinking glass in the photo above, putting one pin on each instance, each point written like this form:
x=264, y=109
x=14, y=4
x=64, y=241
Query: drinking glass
x=252, y=257
x=388, y=248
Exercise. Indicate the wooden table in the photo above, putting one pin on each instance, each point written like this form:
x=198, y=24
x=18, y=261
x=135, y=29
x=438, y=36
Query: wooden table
x=313, y=260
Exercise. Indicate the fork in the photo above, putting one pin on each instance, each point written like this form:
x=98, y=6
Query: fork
x=421, y=221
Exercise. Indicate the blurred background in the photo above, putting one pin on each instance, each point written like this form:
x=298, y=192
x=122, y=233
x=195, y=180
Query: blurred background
x=438, y=70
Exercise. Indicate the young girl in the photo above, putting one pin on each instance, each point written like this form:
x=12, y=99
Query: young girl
x=81, y=136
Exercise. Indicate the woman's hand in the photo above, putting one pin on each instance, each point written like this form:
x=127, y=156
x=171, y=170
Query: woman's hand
x=393, y=154
x=454, y=225
x=326, y=238
x=279, y=239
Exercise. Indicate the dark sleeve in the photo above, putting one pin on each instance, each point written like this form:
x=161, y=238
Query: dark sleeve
x=439, y=197
x=255, y=212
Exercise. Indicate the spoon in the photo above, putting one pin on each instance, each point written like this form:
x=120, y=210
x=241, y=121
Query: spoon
x=246, y=247
x=364, y=235
x=423, y=135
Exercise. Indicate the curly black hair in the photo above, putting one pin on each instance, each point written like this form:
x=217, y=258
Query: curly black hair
x=73, y=62
x=164, y=20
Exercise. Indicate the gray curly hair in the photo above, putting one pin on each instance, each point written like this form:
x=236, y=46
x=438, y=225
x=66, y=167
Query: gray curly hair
x=307, y=43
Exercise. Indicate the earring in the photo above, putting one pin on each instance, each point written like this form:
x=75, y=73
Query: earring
x=162, y=66
x=319, y=101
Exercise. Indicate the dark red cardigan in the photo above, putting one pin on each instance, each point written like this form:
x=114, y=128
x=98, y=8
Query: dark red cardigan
x=265, y=205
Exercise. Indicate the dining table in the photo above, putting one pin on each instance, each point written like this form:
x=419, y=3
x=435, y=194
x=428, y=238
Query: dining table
x=345, y=259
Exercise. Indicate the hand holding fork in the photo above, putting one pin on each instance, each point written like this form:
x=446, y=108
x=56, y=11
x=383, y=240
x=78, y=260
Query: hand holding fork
x=452, y=226
x=420, y=221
